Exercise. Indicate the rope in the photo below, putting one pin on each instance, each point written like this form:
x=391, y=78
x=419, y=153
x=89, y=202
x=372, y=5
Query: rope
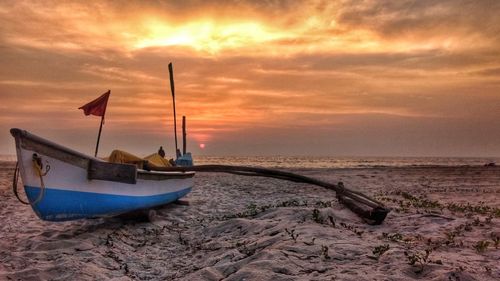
x=37, y=164
x=14, y=184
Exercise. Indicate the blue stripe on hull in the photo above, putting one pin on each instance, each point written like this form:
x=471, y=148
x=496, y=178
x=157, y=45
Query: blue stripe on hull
x=64, y=205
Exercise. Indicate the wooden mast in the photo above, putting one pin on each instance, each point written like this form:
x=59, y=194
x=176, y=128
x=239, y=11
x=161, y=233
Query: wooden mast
x=183, y=135
x=172, y=89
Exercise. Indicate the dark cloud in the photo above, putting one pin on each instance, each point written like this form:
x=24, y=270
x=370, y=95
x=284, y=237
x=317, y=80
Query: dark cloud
x=424, y=19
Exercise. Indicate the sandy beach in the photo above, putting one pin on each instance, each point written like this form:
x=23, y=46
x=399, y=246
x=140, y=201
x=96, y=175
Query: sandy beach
x=445, y=225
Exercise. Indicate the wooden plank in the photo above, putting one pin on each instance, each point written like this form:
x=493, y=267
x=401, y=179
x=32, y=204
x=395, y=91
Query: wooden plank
x=145, y=175
x=56, y=153
x=45, y=147
x=99, y=170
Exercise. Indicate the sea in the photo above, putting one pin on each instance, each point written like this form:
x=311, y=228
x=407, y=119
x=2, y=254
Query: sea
x=333, y=162
x=344, y=162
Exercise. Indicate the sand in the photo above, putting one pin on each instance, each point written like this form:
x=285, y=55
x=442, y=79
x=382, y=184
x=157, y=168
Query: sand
x=246, y=228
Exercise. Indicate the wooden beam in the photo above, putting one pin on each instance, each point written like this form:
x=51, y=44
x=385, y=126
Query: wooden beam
x=100, y=170
x=183, y=135
x=373, y=211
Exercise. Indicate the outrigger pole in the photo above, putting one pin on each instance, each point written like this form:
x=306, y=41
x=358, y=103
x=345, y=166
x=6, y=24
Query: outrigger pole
x=369, y=209
x=172, y=89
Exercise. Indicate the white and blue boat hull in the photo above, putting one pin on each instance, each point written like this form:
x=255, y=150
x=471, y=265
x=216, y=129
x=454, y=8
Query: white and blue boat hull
x=63, y=205
x=66, y=192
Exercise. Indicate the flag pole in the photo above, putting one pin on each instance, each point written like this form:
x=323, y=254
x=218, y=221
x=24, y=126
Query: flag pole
x=172, y=89
x=100, y=127
x=97, y=107
x=99, y=136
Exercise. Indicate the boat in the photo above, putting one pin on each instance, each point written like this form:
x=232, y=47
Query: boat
x=62, y=184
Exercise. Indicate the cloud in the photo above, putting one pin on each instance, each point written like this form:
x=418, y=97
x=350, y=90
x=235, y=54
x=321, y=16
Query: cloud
x=254, y=71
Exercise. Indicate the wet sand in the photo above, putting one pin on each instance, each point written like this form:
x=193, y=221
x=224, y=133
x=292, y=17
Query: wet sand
x=247, y=228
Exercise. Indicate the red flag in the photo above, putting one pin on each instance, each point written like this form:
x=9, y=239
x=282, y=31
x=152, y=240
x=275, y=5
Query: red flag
x=98, y=106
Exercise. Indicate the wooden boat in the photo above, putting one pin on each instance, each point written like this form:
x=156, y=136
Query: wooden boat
x=62, y=184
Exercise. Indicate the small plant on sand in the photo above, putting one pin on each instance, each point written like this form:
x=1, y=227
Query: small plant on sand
x=418, y=259
x=292, y=234
x=421, y=201
x=488, y=269
x=454, y=277
x=394, y=237
x=468, y=227
x=489, y=219
x=496, y=240
x=332, y=221
x=109, y=240
x=424, y=203
x=181, y=239
x=481, y=246
x=450, y=237
x=242, y=248
x=323, y=204
x=316, y=215
x=324, y=252
x=252, y=210
x=380, y=250
x=352, y=228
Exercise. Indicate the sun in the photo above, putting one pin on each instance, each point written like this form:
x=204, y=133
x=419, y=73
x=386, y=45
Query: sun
x=202, y=145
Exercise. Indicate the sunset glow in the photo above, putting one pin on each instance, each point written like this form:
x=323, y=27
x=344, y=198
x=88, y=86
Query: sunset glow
x=205, y=36
x=273, y=77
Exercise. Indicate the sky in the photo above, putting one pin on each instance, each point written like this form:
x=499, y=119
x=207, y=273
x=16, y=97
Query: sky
x=320, y=78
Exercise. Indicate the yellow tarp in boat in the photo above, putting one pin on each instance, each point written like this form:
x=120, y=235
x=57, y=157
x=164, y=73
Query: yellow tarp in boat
x=155, y=159
x=123, y=157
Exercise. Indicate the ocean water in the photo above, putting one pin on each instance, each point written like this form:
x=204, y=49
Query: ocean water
x=343, y=162
x=332, y=162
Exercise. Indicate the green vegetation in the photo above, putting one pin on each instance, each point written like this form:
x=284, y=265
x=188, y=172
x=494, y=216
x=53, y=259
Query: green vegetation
x=394, y=237
x=352, y=228
x=481, y=246
x=292, y=234
x=496, y=240
x=380, y=250
x=418, y=259
x=253, y=210
x=316, y=215
x=324, y=252
x=421, y=202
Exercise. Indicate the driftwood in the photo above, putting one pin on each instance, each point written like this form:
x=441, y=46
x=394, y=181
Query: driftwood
x=371, y=210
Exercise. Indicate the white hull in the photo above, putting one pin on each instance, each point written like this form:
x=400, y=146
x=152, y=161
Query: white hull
x=68, y=193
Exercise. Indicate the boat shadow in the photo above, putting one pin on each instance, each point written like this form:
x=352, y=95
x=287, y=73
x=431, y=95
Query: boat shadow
x=139, y=219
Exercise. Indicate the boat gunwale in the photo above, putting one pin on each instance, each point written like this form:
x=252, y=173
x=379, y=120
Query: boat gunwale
x=155, y=175
x=29, y=141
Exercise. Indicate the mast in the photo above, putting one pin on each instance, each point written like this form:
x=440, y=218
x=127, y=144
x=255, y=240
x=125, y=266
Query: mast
x=172, y=89
x=183, y=135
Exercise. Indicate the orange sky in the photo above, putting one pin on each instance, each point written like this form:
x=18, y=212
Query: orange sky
x=343, y=77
